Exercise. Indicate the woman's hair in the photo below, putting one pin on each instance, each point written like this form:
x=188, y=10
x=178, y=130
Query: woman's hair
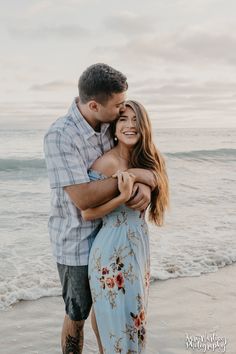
x=146, y=155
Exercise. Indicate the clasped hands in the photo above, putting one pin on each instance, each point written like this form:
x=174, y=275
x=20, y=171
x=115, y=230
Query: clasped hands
x=136, y=195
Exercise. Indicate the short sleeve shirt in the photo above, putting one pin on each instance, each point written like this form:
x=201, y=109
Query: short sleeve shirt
x=71, y=146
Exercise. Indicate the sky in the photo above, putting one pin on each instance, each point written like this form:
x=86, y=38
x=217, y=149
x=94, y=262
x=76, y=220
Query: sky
x=179, y=56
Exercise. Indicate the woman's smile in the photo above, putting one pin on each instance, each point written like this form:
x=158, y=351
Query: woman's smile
x=127, y=126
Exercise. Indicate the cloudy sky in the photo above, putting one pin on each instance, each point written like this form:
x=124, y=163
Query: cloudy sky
x=179, y=55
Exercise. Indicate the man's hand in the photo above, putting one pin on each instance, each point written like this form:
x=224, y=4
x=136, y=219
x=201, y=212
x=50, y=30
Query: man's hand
x=140, y=198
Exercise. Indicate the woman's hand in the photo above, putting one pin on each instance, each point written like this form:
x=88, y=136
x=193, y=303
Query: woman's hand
x=125, y=184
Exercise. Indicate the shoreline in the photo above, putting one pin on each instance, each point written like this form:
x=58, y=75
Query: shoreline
x=179, y=307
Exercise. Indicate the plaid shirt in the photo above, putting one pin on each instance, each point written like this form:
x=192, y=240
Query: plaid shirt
x=71, y=146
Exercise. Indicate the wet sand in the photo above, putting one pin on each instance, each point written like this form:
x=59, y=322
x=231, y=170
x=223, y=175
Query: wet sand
x=179, y=310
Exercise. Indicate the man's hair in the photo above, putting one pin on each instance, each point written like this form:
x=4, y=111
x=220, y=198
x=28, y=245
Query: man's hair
x=99, y=82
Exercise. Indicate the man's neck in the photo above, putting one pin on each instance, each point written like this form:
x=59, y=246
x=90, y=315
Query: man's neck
x=85, y=113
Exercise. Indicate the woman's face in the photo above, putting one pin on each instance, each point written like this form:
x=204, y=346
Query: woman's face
x=126, y=128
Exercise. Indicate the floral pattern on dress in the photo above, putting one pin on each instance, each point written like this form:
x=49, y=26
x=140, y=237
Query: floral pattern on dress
x=139, y=321
x=112, y=277
x=119, y=276
x=135, y=328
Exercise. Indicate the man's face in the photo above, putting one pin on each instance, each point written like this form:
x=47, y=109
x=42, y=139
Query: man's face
x=112, y=109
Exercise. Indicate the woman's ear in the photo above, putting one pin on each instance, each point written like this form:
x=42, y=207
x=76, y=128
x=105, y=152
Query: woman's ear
x=93, y=106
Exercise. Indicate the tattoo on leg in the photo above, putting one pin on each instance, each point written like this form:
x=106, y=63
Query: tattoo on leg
x=71, y=345
x=74, y=345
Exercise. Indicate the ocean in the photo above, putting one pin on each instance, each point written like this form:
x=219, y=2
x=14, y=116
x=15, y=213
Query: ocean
x=199, y=232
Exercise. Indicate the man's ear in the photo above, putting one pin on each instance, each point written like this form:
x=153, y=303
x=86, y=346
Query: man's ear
x=93, y=106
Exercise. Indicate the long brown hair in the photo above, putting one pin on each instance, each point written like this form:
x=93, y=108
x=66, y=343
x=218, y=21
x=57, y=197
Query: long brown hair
x=146, y=155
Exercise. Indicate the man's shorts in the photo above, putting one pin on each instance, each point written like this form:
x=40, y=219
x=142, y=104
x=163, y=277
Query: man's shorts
x=75, y=291
x=75, y=288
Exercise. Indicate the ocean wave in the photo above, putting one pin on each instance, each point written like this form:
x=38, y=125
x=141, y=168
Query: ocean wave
x=36, y=163
x=210, y=266
x=21, y=164
x=12, y=298
x=16, y=290
x=217, y=154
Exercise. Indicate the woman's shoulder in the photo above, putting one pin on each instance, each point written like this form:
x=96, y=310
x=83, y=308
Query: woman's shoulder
x=107, y=164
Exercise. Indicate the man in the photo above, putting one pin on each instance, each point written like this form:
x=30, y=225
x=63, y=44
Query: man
x=71, y=146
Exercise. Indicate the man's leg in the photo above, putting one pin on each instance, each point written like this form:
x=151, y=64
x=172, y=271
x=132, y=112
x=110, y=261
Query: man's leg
x=95, y=329
x=72, y=336
x=78, y=301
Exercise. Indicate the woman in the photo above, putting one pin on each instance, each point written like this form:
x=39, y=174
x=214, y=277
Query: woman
x=119, y=265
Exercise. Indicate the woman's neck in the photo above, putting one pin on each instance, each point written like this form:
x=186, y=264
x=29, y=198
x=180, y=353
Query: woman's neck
x=123, y=153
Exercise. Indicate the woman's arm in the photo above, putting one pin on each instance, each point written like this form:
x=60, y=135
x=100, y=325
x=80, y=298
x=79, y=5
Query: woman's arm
x=125, y=185
x=102, y=210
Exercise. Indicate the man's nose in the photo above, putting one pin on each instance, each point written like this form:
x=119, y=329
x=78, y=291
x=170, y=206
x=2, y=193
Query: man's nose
x=122, y=108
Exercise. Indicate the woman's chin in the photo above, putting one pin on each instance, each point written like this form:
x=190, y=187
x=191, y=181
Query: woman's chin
x=129, y=145
x=129, y=142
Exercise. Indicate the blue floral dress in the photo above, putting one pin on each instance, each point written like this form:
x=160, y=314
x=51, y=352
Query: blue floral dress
x=119, y=272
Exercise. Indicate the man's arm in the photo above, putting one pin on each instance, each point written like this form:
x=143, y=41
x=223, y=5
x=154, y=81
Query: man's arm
x=146, y=182
x=125, y=186
x=92, y=194
x=67, y=170
x=140, y=198
x=144, y=176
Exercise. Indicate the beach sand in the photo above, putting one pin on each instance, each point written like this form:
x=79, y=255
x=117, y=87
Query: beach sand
x=190, y=306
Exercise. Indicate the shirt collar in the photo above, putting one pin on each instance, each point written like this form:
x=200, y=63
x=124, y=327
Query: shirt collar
x=82, y=123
